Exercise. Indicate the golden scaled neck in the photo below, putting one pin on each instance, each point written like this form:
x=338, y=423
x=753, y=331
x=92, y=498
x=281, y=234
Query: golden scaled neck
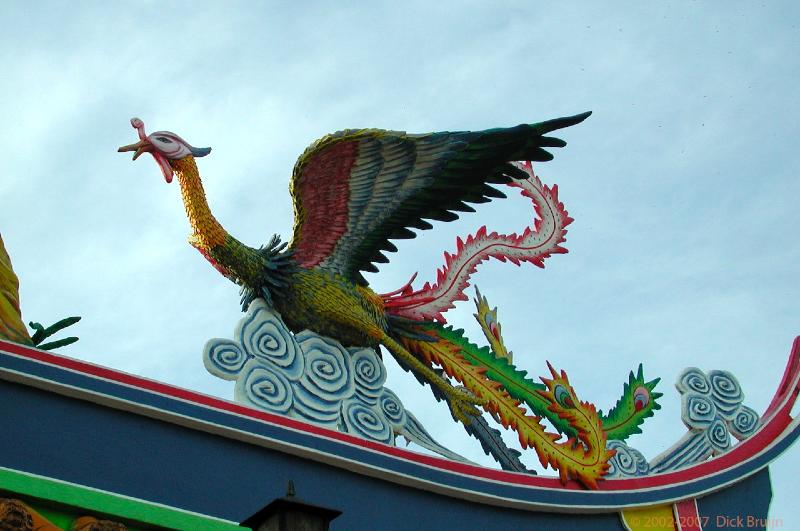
x=229, y=256
x=207, y=233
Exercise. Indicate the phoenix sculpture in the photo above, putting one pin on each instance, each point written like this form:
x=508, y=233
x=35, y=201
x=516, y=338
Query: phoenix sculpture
x=356, y=190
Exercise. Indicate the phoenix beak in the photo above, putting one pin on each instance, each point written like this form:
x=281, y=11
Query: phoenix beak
x=142, y=146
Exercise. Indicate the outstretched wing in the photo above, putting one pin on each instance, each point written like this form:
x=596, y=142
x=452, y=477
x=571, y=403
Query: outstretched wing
x=357, y=189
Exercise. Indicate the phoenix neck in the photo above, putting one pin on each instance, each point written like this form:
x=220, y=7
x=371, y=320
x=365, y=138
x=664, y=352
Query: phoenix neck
x=228, y=255
x=206, y=230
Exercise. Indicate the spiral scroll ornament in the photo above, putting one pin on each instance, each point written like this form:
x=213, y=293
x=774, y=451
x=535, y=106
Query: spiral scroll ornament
x=366, y=421
x=263, y=335
x=717, y=435
x=713, y=404
x=693, y=380
x=699, y=411
x=727, y=393
x=326, y=381
x=314, y=378
x=627, y=462
x=264, y=388
x=744, y=423
x=224, y=358
x=369, y=374
x=713, y=410
x=328, y=372
x=393, y=409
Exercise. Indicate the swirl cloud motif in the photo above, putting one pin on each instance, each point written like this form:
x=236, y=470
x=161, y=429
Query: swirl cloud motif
x=326, y=381
x=699, y=411
x=313, y=378
x=263, y=335
x=264, y=388
x=744, y=423
x=393, y=409
x=627, y=462
x=224, y=358
x=361, y=419
x=693, y=380
x=369, y=374
x=726, y=392
x=712, y=409
x=717, y=396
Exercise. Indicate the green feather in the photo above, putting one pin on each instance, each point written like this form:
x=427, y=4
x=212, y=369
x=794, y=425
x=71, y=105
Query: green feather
x=621, y=422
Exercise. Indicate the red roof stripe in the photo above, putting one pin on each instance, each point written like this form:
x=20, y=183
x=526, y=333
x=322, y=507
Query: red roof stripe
x=772, y=429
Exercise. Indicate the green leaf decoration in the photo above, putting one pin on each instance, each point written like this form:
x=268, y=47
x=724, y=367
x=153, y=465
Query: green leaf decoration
x=43, y=333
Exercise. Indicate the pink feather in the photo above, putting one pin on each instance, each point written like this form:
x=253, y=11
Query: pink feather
x=534, y=245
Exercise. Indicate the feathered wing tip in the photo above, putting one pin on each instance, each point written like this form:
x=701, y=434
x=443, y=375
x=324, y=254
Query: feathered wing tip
x=386, y=183
x=548, y=126
x=534, y=245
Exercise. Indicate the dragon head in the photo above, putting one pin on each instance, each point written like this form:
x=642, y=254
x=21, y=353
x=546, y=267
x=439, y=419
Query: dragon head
x=165, y=147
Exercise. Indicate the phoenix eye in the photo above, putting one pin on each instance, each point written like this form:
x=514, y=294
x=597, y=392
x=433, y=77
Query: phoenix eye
x=164, y=139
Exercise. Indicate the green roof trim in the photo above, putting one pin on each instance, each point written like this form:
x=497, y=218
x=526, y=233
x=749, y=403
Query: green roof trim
x=95, y=502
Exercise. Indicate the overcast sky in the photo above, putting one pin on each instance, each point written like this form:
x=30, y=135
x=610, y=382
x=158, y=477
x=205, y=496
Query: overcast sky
x=683, y=184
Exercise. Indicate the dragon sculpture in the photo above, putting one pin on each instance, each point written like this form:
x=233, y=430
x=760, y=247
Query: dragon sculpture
x=356, y=190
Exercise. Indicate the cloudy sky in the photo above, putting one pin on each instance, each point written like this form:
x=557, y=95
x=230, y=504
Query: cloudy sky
x=683, y=184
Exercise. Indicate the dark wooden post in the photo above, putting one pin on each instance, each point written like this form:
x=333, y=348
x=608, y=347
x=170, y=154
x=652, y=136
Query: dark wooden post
x=291, y=514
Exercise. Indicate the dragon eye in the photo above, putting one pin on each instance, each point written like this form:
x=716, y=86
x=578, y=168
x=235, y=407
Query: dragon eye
x=562, y=396
x=164, y=139
x=641, y=398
